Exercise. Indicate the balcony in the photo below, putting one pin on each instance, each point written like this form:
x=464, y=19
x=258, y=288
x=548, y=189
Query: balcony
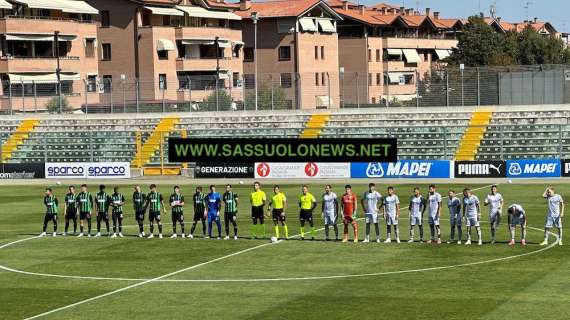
x=38, y=64
x=419, y=43
x=208, y=32
x=206, y=64
x=41, y=25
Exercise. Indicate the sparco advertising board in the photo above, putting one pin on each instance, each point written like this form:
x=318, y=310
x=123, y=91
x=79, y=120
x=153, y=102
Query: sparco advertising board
x=95, y=170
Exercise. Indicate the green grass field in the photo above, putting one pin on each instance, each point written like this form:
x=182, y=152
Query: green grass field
x=252, y=279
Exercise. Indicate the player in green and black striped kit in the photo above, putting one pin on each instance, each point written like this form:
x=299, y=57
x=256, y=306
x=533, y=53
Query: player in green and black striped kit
x=70, y=210
x=139, y=200
x=199, y=212
x=103, y=203
x=50, y=201
x=231, y=201
x=154, y=203
x=177, y=205
x=85, y=204
x=117, y=202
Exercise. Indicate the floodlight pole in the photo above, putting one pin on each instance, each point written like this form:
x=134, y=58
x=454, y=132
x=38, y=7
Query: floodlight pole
x=255, y=18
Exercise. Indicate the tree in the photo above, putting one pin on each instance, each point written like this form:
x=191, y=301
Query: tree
x=480, y=45
x=268, y=98
x=53, y=105
x=223, y=100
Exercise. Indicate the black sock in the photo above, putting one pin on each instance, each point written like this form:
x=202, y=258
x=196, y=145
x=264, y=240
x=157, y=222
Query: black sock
x=159, y=228
x=204, y=227
x=151, y=228
x=107, y=225
x=120, y=225
x=81, y=229
x=182, y=227
x=89, y=226
x=74, y=225
x=141, y=227
x=326, y=231
x=66, y=226
x=193, y=228
x=335, y=227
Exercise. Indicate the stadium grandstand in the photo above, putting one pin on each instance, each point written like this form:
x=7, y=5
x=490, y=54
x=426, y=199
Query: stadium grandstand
x=426, y=133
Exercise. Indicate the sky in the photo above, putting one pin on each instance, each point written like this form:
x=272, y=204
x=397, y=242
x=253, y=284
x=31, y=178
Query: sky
x=553, y=11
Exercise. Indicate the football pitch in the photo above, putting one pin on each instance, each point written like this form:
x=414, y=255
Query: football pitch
x=128, y=278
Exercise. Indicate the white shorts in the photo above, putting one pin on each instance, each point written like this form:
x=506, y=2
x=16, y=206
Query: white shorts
x=495, y=218
x=472, y=222
x=371, y=218
x=552, y=221
x=433, y=221
x=330, y=219
x=391, y=220
x=416, y=220
x=455, y=220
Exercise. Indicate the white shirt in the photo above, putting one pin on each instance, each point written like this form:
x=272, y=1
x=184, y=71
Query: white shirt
x=519, y=210
x=328, y=201
x=554, y=205
x=470, y=205
x=372, y=199
x=390, y=203
x=494, y=201
x=417, y=206
x=434, y=203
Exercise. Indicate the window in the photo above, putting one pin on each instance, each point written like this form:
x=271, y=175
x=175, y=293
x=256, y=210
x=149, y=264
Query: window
x=370, y=79
x=235, y=51
x=369, y=55
x=165, y=20
x=426, y=56
x=89, y=48
x=235, y=80
x=284, y=53
x=286, y=80
x=377, y=55
x=163, y=55
x=105, y=18
x=107, y=83
x=106, y=51
x=378, y=79
x=373, y=100
x=162, y=84
x=323, y=53
x=249, y=81
x=317, y=82
x=316, y=52
x=92, y=83
x=323, y=79
x=248, y=54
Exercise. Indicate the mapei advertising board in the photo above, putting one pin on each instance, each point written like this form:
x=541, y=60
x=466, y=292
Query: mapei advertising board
x=95, y=170
x=534, y=168
x=402, y=169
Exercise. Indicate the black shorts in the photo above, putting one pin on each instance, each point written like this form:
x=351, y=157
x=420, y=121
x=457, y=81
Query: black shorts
x=199, y=216
x=50, y=216
x=117, y=216
x=178, y=217
x=139, y=216
x=278, y=215
x=306, y=215
x=84, y=215
x=257, y=212
x=103, y=215
x=154, y=216
x=70, y=215
x=230, y=216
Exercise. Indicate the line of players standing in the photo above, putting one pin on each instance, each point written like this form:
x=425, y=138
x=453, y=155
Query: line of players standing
x=207, y=208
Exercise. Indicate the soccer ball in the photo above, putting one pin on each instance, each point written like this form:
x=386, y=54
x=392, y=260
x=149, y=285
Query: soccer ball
x=510, y=181
x=58, y=183
x=273, y=239
x=241, y=182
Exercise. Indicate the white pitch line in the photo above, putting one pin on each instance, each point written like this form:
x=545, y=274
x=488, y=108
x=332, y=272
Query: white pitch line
x=148, y=281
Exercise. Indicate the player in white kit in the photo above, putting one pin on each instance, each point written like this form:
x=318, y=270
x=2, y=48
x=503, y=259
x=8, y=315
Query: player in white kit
x=555, y=214
x=391, y=205
x=370, y=202
x=330, y=211
x=495, y=202
x=417, y=209
x=472, y=214
x=434, y=201
x=455, y=217
x=517, y=216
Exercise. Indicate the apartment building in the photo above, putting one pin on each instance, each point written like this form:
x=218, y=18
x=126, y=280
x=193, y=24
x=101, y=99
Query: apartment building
x=297, y=50
x=36, y=35
x=178, y=50
x=544, y=28
x=384, y=49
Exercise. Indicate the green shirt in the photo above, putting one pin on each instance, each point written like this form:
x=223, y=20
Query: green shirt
x=117, y=200
x=306, y=201
x=51, y=204
x=154, y=201
x=84, y=202
x=230, y=202
x=177, y=199
x=71, y=202
x=199, y=205
x=103, y=202
x=139, y=199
